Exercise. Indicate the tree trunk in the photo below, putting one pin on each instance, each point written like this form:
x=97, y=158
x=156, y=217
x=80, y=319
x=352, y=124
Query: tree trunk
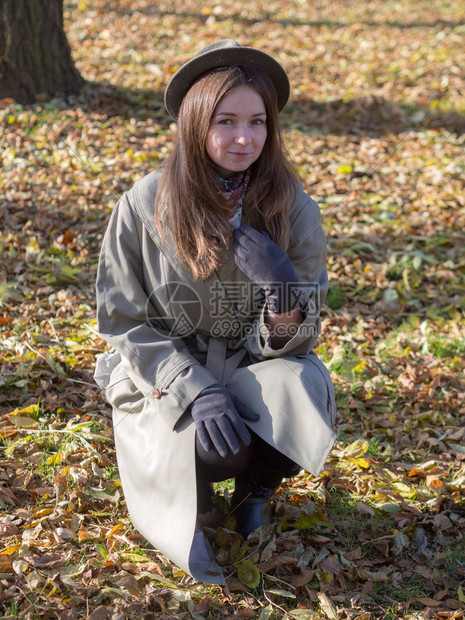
x=35, y=56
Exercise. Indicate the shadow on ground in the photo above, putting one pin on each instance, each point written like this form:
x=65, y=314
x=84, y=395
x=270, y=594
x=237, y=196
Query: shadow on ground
x=372, y=116
x=268, y=16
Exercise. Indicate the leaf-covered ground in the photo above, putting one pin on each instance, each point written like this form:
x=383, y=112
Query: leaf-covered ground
x=376, y=126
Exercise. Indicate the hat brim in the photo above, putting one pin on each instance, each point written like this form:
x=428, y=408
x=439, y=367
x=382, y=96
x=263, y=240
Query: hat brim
x=186, y=75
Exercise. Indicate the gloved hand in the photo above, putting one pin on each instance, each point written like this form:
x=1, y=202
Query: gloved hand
x=218, y=420
x=266, y=264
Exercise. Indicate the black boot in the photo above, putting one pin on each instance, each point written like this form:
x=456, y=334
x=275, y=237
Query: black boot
x=251, y=500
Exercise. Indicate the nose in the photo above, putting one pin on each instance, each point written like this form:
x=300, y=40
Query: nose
x=243, y=135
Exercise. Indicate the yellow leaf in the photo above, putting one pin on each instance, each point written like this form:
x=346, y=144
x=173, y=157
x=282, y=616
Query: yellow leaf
x=11, y=550
x=22, y=421
x=30, y=409
x=360, y=367
x=55, y=459
x=21, y=417
x=363, y=463
x=460, y=594
x=306, y=521
x=135, y=557
x=344, y=169
x=356, y=448
x=404, y=488
x=42, y=513
x=114, y=529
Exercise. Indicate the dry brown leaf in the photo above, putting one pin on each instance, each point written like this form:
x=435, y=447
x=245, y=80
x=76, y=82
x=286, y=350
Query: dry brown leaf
x=354, y=554
x=100, y=613
x=278, y=560
x=47, y=560
x=248, y=613
x=454, y=603
x=305, y=577
x=331, y=565
x=429, y=602
x=152, y=567
x=368, y=587
x=203, y=606
x=125, y=580
x=6, y=563
x=364, y=509
x=382, y=546
x=8, y=529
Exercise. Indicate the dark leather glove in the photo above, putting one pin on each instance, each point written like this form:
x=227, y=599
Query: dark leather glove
x=267, y=264
x=218, y=420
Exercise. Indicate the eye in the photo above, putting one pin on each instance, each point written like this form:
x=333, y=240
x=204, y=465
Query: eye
x=258, y=121
x=225, y=121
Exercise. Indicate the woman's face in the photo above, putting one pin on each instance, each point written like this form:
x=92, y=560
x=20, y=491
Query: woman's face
x=237, y=131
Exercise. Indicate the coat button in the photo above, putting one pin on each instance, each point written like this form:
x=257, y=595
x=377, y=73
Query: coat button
x=156, y=393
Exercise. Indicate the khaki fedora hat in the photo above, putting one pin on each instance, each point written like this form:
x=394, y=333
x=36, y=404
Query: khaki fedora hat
x=224, y=53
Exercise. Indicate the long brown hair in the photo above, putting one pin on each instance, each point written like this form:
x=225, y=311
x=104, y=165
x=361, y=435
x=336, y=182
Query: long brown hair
x=189, y=195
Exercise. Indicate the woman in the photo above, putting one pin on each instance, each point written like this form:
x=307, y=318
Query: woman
x=210, y=280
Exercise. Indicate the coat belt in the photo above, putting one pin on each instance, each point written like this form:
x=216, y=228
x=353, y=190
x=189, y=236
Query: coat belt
x=220, y=366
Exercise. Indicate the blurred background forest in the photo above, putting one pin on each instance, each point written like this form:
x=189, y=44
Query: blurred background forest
x=375, y=125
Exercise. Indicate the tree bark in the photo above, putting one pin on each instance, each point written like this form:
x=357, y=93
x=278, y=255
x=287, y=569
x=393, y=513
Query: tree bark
x=35, y=56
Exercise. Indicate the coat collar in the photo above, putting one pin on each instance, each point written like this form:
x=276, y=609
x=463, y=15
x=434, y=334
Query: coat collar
x=144, y=195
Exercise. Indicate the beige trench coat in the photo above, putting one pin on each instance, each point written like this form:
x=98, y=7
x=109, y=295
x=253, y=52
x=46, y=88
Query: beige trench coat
x=145, y=299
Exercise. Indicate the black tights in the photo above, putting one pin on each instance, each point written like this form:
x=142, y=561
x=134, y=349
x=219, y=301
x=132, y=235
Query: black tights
x=213, y=467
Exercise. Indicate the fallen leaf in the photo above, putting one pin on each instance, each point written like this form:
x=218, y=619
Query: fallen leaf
x=48, y=560
x=364, y=509
x=248, y=573
x=305, y=577
x=64, y=533
x=435, y=484
x=279, y=560
x=203, y=606
x=327, y=606
x=6, y=563
x=429, y=602
x=283, y=593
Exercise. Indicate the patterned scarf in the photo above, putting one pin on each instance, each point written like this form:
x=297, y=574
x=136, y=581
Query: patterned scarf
x=234, y=189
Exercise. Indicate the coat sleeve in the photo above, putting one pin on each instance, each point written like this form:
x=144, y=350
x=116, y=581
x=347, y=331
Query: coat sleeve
x=161, y=367
x=307, y=250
